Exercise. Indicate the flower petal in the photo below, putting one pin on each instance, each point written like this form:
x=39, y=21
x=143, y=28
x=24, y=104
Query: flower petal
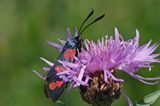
x=39, y=75
x=46, y=69
x=69, y=35
x=126, y=97
x=52, y=44
x=46, y=61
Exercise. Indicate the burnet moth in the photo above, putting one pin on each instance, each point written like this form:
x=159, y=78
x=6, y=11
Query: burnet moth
x=54, y=85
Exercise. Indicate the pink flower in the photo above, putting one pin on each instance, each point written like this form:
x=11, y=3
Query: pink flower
x=107, y=56
x=94, y=69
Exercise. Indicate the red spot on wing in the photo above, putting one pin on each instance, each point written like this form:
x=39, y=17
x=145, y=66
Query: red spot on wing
x=69, y=54
x=59, y=83
x=58, y=68
x=52, y=85
x=73, y=54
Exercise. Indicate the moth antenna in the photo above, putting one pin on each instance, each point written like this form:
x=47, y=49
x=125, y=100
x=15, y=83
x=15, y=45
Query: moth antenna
x=89, y=15
x=97, y=19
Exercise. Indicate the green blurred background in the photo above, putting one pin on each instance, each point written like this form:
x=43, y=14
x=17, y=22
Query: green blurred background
x=26, y=25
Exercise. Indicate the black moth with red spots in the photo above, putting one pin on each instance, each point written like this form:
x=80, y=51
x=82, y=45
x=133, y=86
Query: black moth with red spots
x=54, y=85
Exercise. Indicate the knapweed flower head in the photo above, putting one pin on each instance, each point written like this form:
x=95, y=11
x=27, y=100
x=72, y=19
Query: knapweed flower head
x=94, y=69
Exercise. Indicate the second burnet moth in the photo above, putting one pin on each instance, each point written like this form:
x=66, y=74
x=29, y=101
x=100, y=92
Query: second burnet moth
x=54, y=85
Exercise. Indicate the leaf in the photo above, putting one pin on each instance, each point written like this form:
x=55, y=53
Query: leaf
x=149, y=99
